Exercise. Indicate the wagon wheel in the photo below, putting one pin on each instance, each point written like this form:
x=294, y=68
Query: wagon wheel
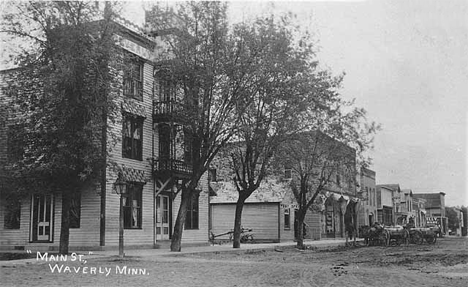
x=417, y=237
x=431, y=239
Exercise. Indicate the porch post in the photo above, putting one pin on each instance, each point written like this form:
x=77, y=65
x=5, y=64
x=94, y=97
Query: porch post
x=121, y=229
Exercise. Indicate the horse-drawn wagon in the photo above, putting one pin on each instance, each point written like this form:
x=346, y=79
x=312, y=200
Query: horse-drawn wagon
x=419, y=234
x=374, y=235
x=397, y=235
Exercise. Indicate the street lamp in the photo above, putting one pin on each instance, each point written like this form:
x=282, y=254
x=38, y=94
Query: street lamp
x=121, y=188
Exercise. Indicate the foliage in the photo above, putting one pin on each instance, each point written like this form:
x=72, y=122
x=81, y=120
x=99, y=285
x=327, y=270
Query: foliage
x=283, y=90
x=327, y=158
x=197, y=61
x=453, y=219
x=66, y=96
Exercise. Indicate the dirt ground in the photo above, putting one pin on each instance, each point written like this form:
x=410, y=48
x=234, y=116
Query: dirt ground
x=442, y=264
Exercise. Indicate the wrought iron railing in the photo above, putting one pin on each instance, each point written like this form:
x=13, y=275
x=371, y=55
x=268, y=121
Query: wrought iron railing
x=172, y=165
x=169, y=107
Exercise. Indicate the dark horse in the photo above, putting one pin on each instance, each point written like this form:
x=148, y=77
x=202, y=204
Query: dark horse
x=373, y=234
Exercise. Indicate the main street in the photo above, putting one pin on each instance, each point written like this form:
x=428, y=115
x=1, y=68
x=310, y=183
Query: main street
x=444, y=263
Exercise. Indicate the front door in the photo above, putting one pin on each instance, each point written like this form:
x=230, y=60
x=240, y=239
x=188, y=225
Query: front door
x=42, y=217
x=162, y=217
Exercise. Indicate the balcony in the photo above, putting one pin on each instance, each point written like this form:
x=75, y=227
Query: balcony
x=172, y=167
x=170, y=110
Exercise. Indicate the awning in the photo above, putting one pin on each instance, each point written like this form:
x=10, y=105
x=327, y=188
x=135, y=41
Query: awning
x=337, y=196
x=133, y=108
x=133, y=175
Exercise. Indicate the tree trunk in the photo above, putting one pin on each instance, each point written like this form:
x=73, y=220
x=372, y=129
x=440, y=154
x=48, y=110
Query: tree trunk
x=65, y=224
x=238, y=221
x=180, y=221
x=300, y=230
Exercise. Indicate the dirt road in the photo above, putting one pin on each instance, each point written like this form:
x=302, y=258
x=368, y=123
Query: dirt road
x=442, y=264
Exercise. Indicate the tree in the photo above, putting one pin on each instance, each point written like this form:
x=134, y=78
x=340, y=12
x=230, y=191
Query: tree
x=65, y=100
x=453, y=219
x=325, y=158
x=280, y=88
x=200, y=56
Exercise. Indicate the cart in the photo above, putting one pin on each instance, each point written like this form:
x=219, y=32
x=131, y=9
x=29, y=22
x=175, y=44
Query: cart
x=397, y=235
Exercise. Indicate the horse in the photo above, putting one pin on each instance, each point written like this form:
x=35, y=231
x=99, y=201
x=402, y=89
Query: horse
x=373, y=234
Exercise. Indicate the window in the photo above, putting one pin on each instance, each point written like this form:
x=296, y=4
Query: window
x=75, y=210
x=338, y=179
x=132, y=206
x=287, y=219
x=191, y=219
x=287, y=171
x=166, y=89
x=132, y=137
x=212, y=174
x=133, y=78
x=14, y=144
x=12, y=213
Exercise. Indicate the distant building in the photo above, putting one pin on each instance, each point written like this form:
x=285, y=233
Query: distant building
x=367, y=214
x=388, y=203
x=435, y=207
x=405, y=212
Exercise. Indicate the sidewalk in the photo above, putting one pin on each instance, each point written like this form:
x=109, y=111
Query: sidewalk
x=315, y=244
x=156, y=253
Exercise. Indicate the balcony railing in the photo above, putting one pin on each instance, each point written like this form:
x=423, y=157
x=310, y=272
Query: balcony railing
x=173, y=166
x=168, y=109
x=133, y=89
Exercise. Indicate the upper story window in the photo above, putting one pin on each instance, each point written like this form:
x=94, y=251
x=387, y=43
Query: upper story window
x=166, y=89
x=14, y=144
x=287, y=171
x=133, y=77
x=132, y=142
x=212, y=174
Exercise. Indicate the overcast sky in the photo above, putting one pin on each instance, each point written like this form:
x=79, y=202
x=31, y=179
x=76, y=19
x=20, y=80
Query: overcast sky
x=406, y=63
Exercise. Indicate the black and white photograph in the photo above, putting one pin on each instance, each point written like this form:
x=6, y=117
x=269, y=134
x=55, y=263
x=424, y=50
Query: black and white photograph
x=234, y=143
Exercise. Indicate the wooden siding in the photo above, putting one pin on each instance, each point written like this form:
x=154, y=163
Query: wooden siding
x=313, y=225
x=143, y=236
x=199, y=235
x=287, y=234
x=261, y=217
x=15, y=237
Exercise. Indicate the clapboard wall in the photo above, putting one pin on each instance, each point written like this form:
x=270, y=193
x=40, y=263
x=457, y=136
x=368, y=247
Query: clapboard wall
x=263, y=218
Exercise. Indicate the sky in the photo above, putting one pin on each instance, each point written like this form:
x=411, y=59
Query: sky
x=406, y=63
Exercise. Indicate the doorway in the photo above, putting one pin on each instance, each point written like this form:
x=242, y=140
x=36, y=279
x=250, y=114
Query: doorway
x=162, y=217
x=42, y=218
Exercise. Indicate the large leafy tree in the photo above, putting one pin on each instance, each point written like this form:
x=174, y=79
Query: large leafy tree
x=64, y=101
x=200, y=55
x=282, y=87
